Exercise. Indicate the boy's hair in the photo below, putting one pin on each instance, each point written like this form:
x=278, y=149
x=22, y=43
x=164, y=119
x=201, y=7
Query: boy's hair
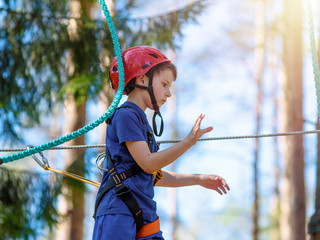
x=153, y=71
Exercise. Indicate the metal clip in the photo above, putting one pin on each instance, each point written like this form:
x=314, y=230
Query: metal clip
x=44, y=163
x=99, y=161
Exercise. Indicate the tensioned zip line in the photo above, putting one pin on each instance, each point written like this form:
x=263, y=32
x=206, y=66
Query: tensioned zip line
x=53, y=144
x=175, y=141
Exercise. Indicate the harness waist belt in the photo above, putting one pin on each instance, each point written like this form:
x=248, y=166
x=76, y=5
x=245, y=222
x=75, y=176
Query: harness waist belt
x=121, y=190
x=149, y=229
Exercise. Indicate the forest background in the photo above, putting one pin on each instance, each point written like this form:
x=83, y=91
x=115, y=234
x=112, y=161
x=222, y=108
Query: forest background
x=245, y=64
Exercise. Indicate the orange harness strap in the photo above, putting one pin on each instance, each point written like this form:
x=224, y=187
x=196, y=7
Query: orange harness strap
x=149, y=229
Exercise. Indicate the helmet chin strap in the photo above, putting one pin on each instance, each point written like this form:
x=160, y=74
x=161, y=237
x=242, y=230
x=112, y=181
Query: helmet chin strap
x=155, y=108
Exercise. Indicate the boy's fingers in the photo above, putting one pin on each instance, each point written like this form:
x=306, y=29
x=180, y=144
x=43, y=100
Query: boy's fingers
x=225, y=184
x=198, y=121
x=223, y=189
x=218, y=190
x=208, y=129
x=200, y=117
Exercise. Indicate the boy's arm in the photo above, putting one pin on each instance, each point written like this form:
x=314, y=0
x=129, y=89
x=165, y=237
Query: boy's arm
x=214, y=182
x=151, y=162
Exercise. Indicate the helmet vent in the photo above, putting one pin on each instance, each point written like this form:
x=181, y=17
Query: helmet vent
x=153, y=55
x=145, y=66
x=114, y=69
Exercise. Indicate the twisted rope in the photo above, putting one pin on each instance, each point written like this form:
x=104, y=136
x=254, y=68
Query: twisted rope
x=94, y=124
x=315, y=62
x=176, y=141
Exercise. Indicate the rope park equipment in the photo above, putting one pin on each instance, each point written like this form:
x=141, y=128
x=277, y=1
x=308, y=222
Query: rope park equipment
x=175, y=141
x=53, y=144
x=94, y=124
x=315, y=62
x=100, y=158
x=45, y=165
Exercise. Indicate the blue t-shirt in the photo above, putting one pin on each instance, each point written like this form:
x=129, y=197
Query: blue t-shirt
x=128, y=123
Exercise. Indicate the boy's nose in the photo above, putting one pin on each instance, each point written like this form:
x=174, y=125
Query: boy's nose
x=168, y=93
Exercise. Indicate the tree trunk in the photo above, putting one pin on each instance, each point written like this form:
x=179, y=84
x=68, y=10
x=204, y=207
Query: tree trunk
x=293, y=199
x=75, y=119
x=259, y=66
x=275, y=201
x=71, y=204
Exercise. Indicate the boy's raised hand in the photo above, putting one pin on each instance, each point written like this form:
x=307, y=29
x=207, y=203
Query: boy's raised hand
x=196, y=131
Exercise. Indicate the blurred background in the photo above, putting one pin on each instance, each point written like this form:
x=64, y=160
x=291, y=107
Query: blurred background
x=245, y=64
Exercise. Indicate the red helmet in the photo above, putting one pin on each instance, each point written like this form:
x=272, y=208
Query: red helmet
x=136, y=61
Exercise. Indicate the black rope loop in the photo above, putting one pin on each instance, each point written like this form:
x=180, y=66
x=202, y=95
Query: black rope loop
x=154, y=124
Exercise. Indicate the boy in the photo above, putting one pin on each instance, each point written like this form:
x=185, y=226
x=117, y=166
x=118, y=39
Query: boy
x=125, y=209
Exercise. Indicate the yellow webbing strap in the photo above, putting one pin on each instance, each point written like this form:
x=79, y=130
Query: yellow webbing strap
x=157, y=176
x=77, y=177
x=45, y=165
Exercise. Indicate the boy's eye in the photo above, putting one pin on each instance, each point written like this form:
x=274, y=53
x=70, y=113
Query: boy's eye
x=164, y=84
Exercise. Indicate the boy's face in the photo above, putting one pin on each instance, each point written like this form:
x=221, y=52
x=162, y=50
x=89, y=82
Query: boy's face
x=161, y=86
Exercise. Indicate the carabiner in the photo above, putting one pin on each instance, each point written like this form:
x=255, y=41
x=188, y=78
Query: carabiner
x=44, y=163
x=99, y=161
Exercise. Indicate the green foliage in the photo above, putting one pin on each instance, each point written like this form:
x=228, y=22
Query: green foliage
x=27, y=204
x=31, y=48
x=80, y=87
x=34, y=42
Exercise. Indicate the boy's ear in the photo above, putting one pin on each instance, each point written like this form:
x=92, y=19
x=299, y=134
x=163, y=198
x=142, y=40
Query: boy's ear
x=142, y=80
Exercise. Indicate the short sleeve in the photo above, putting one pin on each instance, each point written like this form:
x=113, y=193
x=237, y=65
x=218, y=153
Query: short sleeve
x=128, y=126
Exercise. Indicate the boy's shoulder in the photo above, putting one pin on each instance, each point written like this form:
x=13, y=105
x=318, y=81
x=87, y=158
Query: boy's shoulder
x=127, y=113
x=130, y=108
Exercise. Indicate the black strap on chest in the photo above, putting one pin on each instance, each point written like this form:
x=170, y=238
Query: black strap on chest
x=122, y=190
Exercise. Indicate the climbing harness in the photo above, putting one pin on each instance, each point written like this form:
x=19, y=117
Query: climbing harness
x=94, y=124
x=149, y=229
x=123, y=191
x=101, y=157
x=116, y=179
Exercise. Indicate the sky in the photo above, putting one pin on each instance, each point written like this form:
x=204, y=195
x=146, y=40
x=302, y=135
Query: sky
x=213, y=79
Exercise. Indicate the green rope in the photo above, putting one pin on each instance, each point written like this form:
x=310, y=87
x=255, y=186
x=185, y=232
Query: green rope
x=94, y=124
x=315, y=62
